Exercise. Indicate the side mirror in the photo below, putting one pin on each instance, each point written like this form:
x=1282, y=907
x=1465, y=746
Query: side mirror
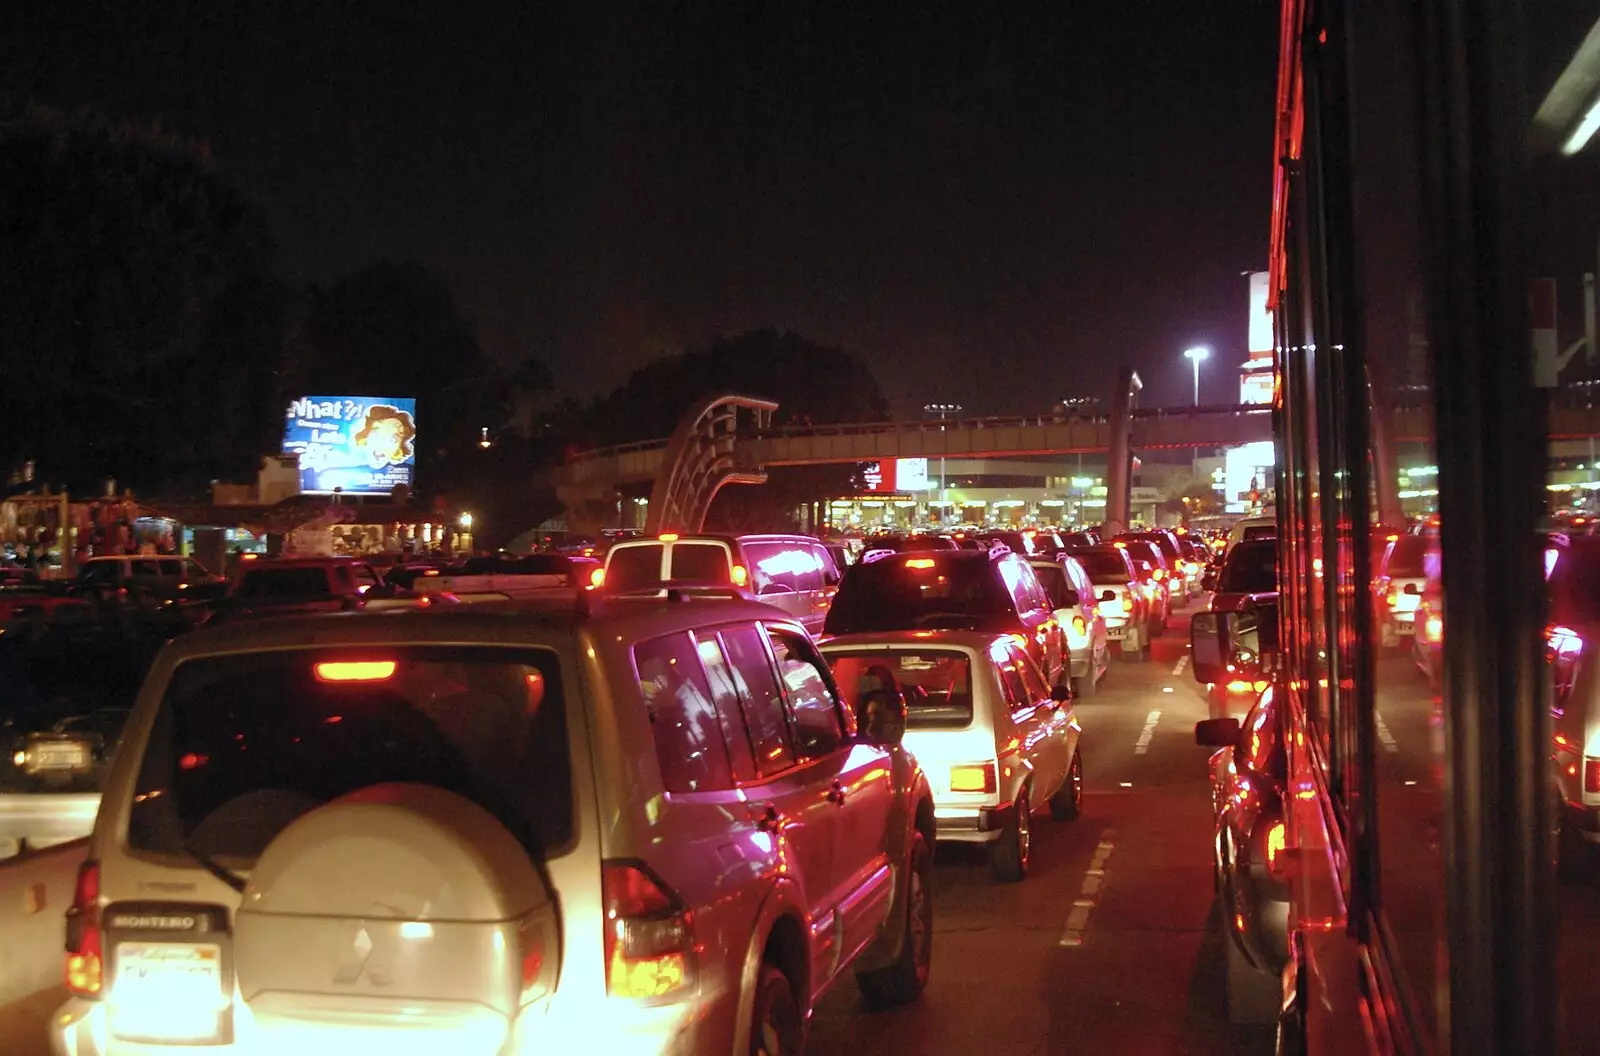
x=1205, y=646
x=881, y=717
x=1061, y=693
x=1108, y=595
x=1216, y=733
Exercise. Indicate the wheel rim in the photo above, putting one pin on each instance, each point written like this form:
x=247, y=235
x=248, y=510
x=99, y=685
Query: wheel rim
x=921, y=923
x=1024, y=828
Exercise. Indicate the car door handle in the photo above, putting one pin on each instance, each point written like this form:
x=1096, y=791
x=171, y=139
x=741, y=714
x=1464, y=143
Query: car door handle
x=770, y=821
x=836, y=793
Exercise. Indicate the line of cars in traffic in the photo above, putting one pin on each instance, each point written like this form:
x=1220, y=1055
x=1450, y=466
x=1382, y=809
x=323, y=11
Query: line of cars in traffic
x=661, y=803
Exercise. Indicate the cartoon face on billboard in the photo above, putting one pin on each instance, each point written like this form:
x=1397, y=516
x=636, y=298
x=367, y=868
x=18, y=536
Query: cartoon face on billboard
x=357, y=445
x=386, y=436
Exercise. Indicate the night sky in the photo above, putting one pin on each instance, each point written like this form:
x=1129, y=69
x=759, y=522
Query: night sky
x=994, y=207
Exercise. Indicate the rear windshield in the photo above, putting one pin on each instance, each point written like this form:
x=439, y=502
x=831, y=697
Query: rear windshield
x=1054, y=579
x=284, y=583
x=1260, y=531
x=1575, y=583
x=937, y=683
x=1251, y=569
x=245, y=744
x=1405, y=560
x=890, y=594
x=632, y=568
x=1102, y=567
x=1144, y=550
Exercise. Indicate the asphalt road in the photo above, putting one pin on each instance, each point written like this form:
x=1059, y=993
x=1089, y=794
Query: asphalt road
x=1146, y=975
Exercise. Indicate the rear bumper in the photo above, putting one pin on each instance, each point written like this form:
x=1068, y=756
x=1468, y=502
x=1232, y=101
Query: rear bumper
x=972, y=824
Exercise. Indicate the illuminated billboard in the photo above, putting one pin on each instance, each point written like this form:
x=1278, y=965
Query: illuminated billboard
x=1261, y=341
x=900, y=474
x=1248, y=475
x=357, y=445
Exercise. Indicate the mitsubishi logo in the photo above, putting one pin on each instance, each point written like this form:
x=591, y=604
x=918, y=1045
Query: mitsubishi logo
x=354, y=964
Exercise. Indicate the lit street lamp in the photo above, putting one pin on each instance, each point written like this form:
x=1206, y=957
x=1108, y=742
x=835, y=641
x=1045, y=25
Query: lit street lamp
x=942, y=410
x=1195, y=355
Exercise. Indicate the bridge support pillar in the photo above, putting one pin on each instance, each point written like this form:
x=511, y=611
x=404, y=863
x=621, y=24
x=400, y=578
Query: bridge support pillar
x=1119, y=458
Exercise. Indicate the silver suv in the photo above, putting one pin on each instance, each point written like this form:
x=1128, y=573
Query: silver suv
x=649, y=827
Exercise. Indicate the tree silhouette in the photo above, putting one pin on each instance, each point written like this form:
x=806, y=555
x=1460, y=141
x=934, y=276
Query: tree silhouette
x=142, y=323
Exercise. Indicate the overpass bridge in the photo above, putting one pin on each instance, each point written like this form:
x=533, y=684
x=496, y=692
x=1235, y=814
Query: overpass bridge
x=730, y=439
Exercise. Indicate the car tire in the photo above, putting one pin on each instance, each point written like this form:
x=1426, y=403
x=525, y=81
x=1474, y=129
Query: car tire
x=1067, y=803
x=1010, y=854
x=776, y=1027
x=904, y=980
x=1569, y=855
x=1254, y=996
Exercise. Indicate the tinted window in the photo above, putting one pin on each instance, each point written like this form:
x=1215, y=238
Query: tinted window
x=1575, y=582
x=699, y=563
x=1016, y=689
x=1260, y=738
x=1406, y=557
x=99, y=572
x=365, y=578
x=1260, y=531
x=1140, y=550
x=817, y=727
x=1103, y=566
x=937, y=684
x=284, y=583
x=902, y=593
x=763, y=703
x=683, y=719
x=145, y=567
x=1251, y=568
x=825, y=562
x=1032, y=680
x=725, y=694
x=1055, y=582
x=634, y=568
x=245, y=744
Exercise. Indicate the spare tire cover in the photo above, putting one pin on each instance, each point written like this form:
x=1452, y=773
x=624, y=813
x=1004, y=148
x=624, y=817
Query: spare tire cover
x=395, y=893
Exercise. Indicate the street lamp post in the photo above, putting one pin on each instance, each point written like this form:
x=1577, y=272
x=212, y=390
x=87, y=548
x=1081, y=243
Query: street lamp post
x=942, y=410
x=1194, y=356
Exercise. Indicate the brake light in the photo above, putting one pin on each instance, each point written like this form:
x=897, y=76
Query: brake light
x=1433, y=628
x=668, y=537
x=920, y=562
x=84, y=974
x=739, y=575
x=355, y=670
x=1127, y=602
x=1120, y=546
x=1159, y=574
x=973, y=777
x=1275, y=844
x=1080, y=628
x=648, y=934
x=1591, y=775
x=1240, y=686
x=1392, y=596
x=1020, y=639
x=597, y=578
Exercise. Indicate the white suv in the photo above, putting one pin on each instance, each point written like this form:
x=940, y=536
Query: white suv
x=648, y=827
x=996, y=740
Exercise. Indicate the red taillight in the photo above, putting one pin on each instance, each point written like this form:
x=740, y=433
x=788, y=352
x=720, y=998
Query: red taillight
x=649, y=941
x=355, y=670
x=84, y=948
x=1127, y=602
x=974, y=777
x=597, y=578
x=1392, y=596
x=1433, y=628
x=1079, y=626
x=1591, y=775
x=739, y=575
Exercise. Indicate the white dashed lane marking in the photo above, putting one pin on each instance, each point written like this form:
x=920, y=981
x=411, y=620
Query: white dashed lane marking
x=1183, y=662
x=1083, y=905
x=1142, y=745
x=1385, y=738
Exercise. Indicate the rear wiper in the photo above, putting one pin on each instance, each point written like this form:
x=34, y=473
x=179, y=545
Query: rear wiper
x=221, y=872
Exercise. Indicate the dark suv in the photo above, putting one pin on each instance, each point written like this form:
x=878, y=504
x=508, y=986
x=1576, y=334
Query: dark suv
x=993, y=590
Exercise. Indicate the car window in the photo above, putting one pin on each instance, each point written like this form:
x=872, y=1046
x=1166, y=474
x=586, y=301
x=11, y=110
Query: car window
x=725, y=695
x=683, y=717
x=782, y=568
x=1032, y=679
x=1260, y=737
x=818, y=727
x=634, y=568
x=1018, y=583
x=244, y=744
x=828, y=569
x=1016, y=689
x=937, y=683
x=364, y=576
x=283, y=583
x=916, y=592
x=1104, y=566
x=194, y=569
x=1053, y=578
x=763, y=702
x=1251, y=568
x=98, y=572
x=699, y=563
x=1079, y=578
x=144, y=567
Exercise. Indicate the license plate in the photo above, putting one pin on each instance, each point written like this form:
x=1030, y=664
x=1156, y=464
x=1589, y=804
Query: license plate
x=172, y=973
x=60, y=756
x=1116, y=633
